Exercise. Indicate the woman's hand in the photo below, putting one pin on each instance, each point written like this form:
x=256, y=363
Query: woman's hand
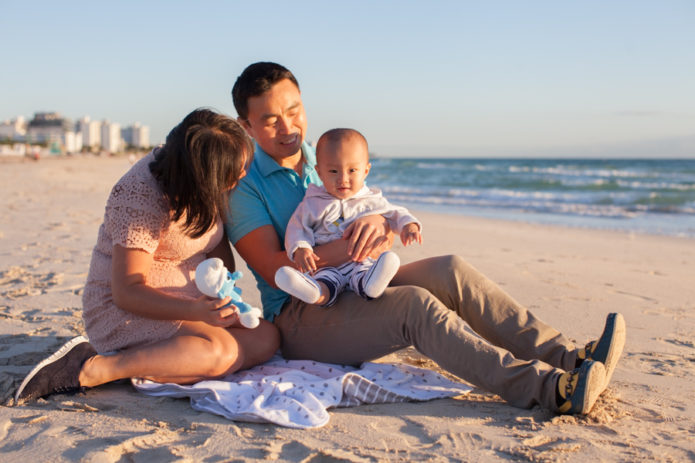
x=131, y=293
x=213, y=311
x=366, y=235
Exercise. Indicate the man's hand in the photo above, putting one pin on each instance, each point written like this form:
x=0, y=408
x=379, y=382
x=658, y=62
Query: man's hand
x=410, y=233
x=366, y=234
x=305, y=260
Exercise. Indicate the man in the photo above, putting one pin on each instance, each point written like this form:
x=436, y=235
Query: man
x=442, y=306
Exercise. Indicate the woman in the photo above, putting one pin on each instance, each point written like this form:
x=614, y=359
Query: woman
x=142, y=311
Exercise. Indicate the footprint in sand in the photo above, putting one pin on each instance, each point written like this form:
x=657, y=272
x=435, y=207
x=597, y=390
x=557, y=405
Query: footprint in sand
x=665, y=364
x=20, y=283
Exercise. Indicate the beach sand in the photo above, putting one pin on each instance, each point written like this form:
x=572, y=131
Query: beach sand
x=50, y=211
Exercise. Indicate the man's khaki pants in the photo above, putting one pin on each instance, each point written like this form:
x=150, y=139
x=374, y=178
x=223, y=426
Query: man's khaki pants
x=451, y=313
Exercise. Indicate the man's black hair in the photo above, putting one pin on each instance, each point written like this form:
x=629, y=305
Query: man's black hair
x=257, y=79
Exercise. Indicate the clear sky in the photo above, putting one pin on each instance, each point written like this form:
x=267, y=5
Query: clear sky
x=437, y=78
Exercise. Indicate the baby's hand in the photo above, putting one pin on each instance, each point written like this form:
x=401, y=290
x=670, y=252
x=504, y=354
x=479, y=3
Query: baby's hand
x=305, y=259
x=410, y=233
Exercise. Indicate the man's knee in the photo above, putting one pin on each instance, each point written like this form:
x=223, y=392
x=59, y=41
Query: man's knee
x=415, y=303
x=453, y=264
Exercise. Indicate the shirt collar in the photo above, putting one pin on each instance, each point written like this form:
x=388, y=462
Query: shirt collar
x=267, y=165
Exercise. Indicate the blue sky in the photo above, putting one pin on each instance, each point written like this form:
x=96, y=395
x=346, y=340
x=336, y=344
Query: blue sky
x=488, y=78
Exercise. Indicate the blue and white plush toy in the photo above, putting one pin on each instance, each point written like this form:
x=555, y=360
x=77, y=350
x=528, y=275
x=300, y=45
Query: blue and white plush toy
x=213, y=279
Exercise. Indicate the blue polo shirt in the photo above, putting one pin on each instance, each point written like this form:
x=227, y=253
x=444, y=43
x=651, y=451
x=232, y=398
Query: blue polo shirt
x=268, y=195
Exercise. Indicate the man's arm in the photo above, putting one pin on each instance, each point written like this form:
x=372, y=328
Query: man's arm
x=262, y=251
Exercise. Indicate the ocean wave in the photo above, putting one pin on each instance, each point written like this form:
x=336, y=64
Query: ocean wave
x=653, y=191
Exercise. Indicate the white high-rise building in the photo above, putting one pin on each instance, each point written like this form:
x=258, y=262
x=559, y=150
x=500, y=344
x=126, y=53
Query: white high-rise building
x=90, y=131
x=141, y=136
x=136, y=136
x=72, y=142
x=111, y=140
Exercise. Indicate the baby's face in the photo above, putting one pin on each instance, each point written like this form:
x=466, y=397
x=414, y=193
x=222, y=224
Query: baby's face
x=342, y=167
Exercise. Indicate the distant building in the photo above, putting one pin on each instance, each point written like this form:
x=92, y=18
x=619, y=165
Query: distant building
x=71, y=142
x=15, y=129
x=17, y=149
x=90, y=131
x=48, y=127
x=111, y=140
x=59, y=135
x=136, y=136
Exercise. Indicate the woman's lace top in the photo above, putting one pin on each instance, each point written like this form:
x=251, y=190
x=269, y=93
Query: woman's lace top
x=138, y=216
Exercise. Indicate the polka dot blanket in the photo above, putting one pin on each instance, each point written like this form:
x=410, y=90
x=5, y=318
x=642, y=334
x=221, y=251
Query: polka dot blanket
x=298, y=393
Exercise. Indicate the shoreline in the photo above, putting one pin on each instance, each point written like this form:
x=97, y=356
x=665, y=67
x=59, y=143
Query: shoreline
x=639, y=224
x=553, y=221
x=571, y=278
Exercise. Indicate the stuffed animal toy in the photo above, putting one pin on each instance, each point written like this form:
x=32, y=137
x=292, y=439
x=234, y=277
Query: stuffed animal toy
x=213, y=279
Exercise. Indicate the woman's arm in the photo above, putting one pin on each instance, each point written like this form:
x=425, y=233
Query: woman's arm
x=131, y=293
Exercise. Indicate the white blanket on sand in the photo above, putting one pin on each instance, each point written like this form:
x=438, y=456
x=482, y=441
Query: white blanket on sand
x=297, y=393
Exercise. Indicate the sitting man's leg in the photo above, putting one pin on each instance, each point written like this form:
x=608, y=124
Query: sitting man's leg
x=500, y=319
x=355, y=330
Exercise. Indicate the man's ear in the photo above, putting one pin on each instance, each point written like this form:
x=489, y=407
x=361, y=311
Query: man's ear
x=369, y=167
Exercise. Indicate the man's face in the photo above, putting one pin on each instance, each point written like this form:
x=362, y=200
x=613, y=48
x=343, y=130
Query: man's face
x=342, y=167
x=276, y=120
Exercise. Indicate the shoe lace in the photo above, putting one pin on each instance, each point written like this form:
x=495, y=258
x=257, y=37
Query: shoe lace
x=588, y=350
x=571, y=382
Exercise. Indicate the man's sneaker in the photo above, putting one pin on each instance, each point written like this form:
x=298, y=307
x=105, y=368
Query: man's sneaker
x=380, y=275
x=608, y=347
x=58, y=374
x=577, y=390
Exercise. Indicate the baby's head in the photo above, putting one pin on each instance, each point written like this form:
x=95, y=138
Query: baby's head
x=342, y=162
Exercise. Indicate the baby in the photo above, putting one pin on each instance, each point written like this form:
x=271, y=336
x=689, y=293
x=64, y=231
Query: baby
x=342, y=163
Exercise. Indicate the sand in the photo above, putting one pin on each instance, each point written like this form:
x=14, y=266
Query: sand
x=50, y=211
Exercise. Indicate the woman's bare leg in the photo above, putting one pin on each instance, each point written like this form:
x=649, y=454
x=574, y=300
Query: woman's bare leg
x=198, y=351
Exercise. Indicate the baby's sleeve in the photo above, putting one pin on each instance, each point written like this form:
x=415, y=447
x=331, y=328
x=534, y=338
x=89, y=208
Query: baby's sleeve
x=135, y=215
x=299, y=232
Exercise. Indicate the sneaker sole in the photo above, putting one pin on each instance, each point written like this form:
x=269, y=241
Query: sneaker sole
x=387, y=258
x=616, y=324
x=595, y=376
x=283, y=281
x=67, y=347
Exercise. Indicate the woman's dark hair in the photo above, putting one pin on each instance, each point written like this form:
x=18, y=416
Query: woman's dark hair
x=255, y=80
x=202, y=158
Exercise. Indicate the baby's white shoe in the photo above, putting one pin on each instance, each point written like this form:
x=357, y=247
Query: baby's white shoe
x=297, y=284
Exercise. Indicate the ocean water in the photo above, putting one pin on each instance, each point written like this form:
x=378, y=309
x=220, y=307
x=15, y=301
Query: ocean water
x=637, y=195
